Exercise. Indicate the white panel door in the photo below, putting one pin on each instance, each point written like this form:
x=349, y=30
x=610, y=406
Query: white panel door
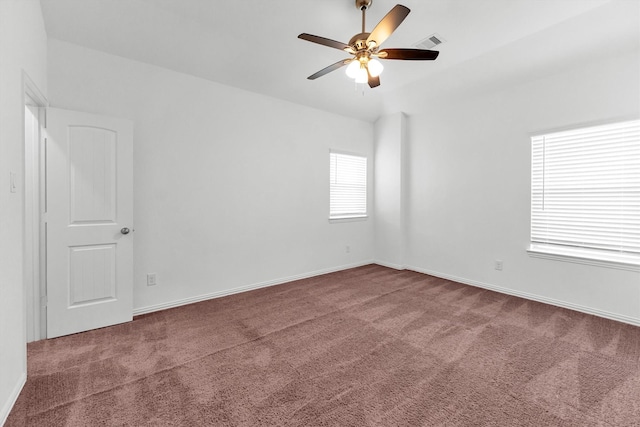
x=89, y=216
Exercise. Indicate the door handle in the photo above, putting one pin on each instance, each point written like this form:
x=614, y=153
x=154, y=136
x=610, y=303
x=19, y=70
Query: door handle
x=125, y=230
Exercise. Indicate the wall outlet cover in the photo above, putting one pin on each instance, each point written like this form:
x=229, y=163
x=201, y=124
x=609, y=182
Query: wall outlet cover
x=151, y=279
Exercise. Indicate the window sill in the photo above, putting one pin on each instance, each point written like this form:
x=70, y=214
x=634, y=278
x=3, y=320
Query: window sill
x=585, y=256
x=353, y=218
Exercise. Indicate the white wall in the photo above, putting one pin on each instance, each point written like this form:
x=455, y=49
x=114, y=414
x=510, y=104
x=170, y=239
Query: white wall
x=22, y=47
x=469, y=183
x=230, y=187
x=390, y=190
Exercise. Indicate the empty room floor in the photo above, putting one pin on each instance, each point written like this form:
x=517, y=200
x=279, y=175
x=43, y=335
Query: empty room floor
x=365, y=346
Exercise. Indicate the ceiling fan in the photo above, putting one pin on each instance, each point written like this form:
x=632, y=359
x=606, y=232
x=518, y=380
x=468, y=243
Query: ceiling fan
x=365, y=47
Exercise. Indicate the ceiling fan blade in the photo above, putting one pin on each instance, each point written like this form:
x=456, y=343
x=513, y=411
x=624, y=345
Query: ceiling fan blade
x=388, y=24
x=409, y=54
x=323, y=41
x=329, y=69
x=373, y=81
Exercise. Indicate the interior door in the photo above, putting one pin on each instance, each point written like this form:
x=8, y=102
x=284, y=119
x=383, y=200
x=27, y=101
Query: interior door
x=89, y=219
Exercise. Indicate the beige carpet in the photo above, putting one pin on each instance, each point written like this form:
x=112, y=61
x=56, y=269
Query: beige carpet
x=367, y=346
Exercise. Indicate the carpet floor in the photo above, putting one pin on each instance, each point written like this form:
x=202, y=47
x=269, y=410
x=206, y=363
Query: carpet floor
x=368, y=346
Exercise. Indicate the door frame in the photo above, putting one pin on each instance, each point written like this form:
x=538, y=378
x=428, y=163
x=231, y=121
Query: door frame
x=34, y=228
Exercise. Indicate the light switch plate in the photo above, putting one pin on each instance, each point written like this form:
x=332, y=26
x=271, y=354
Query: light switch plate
x=12, y=182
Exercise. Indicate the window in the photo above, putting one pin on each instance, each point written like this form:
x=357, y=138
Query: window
x=585, y=194
x=347, y=186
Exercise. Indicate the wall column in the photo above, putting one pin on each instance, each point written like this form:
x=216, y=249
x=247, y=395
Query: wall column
x=390, y=190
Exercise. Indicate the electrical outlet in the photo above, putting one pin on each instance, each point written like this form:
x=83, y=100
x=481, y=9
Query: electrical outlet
x=347, y=249
x=498, y=264
x=151, y=279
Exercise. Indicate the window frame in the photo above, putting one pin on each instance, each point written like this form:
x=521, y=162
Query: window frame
x=352, y=216
x=602, y=258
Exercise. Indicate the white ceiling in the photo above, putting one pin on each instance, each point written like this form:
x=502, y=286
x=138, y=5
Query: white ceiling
x=253, y=45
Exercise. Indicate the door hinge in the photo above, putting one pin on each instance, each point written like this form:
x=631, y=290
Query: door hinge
x=43, y=301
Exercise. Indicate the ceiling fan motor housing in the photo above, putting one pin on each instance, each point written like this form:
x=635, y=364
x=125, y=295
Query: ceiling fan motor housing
x=359, y=42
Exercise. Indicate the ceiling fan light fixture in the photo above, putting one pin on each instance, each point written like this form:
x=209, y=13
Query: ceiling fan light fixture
x=353, y=68
x=375, y=67
x=362, y=76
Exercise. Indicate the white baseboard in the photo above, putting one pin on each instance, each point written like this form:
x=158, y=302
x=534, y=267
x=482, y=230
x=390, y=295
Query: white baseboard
x=218, y=294
x=8, y=405
x=390, y=265
x=576, y=307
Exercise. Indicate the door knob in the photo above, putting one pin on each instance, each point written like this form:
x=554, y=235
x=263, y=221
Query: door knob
x=125, y=230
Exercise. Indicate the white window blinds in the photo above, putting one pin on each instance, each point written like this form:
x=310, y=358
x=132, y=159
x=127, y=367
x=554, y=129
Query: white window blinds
x=586, y=189
x=347, y=185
